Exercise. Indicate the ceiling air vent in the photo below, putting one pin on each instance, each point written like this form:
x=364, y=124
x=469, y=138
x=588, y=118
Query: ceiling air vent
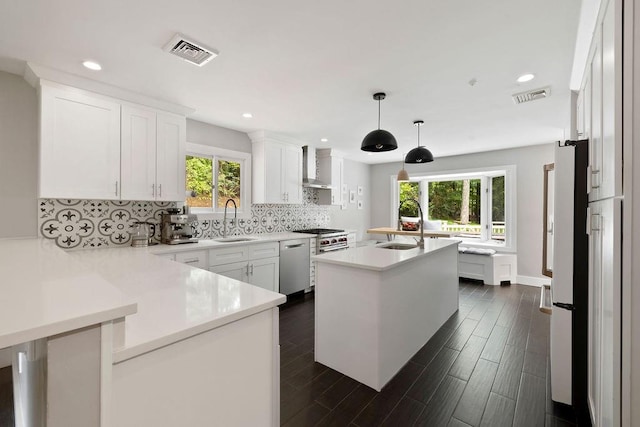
x=190, y=51
x=531, y=95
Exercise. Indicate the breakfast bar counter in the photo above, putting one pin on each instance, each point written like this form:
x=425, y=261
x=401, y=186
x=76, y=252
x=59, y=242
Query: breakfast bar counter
x=376, y=307
x=389, y=231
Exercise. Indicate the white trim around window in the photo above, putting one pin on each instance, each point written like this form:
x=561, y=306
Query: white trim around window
x=217, y=153
x=509, y=172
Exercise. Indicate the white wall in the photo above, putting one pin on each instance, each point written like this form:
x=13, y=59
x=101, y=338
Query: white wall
x=355, y=174
x=18, y=157
x=206, y=134
x=529, y=163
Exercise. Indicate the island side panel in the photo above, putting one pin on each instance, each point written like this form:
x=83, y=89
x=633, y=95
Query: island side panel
x=370, y=323
x=220, y=377
x=347, y=321
x=416, y=299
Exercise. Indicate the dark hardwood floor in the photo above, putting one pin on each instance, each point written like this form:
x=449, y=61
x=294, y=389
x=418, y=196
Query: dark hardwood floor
x=487, y=366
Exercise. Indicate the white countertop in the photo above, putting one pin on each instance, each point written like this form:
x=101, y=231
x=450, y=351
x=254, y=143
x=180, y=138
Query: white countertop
x=175, y=301
x=379, y=259
x=211, y=244
x=46, y=291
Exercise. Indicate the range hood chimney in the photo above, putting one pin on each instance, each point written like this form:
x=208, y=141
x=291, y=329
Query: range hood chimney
x=309, y=169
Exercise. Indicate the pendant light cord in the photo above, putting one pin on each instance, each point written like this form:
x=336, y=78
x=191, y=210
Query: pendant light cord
x=378, y=114
x=418, y=135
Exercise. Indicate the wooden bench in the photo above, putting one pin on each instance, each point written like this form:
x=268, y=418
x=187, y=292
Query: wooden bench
x=492, y=269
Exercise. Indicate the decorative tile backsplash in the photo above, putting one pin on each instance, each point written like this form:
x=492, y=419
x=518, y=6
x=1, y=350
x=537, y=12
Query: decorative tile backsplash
x=102, y=223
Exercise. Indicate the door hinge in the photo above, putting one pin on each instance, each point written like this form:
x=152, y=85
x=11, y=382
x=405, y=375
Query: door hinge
x=565, y=305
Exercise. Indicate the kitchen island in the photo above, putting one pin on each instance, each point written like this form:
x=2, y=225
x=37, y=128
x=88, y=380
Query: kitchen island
x=376, y=307
x=133, y=339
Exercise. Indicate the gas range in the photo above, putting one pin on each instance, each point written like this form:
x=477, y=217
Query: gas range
x=328, y=239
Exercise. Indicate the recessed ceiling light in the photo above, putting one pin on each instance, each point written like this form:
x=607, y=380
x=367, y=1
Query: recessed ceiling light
x=92, y=65
x=525, y=78
x=323, y=140
x=247, y=115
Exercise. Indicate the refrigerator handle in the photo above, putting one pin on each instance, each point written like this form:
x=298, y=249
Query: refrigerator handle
x=565, y=305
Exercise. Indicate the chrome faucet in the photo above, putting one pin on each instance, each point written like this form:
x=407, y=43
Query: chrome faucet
x=235, y=216
x=421, y=242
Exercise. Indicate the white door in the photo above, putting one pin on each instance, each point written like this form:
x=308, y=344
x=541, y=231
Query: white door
x=170, y=157
x=265, y=273
x=605, y=311
x=138, y=156
x=79, y=145
x=236, y=270
x=293, y=174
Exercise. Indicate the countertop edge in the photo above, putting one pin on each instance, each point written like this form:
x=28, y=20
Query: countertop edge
x=127, y=353
x=67, y=325
x=206, y=244
x=319, y=258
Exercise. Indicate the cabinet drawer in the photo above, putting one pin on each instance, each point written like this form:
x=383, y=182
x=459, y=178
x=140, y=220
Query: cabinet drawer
x=264, y=250
x=228, y=255
x=193, y=258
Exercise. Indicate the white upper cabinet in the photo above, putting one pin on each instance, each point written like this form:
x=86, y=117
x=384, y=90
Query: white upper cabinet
x=95, y=147
x=293, y=174
x=602, y=120
x=331, y=170
x=276, y=170
x=79, y=145
x=170, y=157
x=138, y=157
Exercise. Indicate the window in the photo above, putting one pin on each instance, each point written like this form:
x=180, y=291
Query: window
x=479, y=204
x=215, y=175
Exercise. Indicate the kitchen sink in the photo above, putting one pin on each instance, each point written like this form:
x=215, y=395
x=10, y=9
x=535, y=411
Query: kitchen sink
x=235, y=239
x=397, y=246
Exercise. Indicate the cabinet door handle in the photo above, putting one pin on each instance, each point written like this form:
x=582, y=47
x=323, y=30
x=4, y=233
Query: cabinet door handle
x=153, y=190
x=192, y=260
x=116, y=188
x=252, y=269
x=247, y=270
x=160, y=189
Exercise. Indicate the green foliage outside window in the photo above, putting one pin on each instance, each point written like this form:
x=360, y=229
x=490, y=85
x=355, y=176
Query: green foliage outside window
x=199, y=180
x=228, y=182
x=445, y=200
x=409, y=190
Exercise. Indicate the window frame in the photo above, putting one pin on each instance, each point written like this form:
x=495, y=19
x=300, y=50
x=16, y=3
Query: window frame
x=216, y=154
x=484, y=174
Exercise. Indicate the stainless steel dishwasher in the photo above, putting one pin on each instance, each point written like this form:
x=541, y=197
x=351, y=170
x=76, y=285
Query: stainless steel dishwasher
x=294, y=265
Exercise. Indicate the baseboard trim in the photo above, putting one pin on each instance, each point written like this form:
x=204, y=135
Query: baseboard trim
x=532, y=281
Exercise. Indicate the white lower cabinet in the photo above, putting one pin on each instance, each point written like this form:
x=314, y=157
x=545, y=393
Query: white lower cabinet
x=193, y=258
x=312, y=265
x=265, y=273
x=257, y=264
x=235, y=270
x=172, y=257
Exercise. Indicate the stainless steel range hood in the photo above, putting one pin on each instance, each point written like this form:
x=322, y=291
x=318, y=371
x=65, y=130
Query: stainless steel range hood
x=309, y=169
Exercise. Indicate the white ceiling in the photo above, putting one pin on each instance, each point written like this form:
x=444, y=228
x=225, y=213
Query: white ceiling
x=308, y=69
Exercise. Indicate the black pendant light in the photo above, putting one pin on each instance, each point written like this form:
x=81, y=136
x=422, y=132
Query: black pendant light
x=419, y=154
x=379, y=139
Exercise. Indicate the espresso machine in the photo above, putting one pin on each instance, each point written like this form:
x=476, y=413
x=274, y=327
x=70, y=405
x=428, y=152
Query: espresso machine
x=177, y=227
